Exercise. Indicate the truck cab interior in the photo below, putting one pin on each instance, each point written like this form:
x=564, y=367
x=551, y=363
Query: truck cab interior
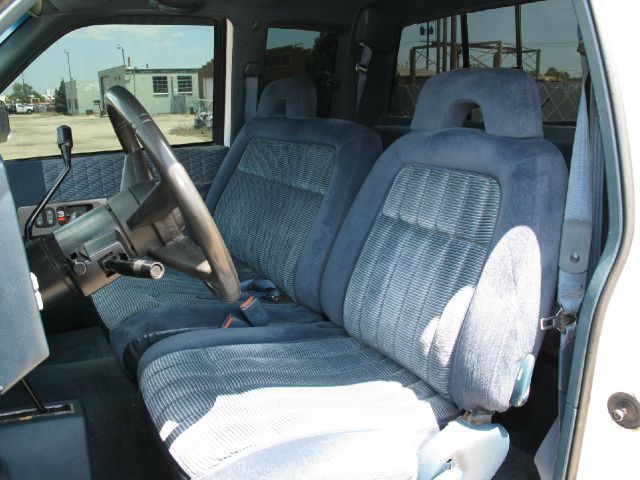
x=296, y=239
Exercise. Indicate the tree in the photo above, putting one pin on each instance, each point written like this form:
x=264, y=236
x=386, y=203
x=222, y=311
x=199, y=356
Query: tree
x=60, y=98
x=23, y=93
x=319, y=67
x=560, y=75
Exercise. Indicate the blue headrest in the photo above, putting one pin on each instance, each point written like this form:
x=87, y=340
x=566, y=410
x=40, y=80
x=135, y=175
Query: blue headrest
x=291, y=97
x=508, y=99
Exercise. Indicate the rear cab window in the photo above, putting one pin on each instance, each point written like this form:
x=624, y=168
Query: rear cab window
x=549, y=55
x=303, y=53
x=168, y=68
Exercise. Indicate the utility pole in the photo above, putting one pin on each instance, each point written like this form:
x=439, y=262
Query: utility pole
x=68, y=63
x=412, y=66
x=426, y=31
x=124, y=64
x=24, y=91
x=438, y=44
x=445, y=30
x=497, y=57
x=464, y=28
x=518, y=20
x=453, y=63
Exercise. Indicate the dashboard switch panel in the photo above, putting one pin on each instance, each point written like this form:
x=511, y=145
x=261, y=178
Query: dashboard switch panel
x=55, y=215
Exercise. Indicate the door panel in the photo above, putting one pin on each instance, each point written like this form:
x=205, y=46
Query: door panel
x=94, y=176
x=22, y=343
x=97, y=176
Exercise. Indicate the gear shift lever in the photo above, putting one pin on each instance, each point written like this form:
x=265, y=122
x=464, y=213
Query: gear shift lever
x=65, y=143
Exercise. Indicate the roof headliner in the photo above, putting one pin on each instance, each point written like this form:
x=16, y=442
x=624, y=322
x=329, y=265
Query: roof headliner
x=338, y=13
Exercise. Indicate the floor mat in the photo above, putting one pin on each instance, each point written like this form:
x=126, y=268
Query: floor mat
x=77, y=346
x=518, y=465
x=122, y=443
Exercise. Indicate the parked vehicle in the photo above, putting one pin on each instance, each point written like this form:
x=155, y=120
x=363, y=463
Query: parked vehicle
x=27, y=108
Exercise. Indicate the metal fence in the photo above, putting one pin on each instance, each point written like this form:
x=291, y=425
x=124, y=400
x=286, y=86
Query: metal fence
x=559, y=100
x=181, y=104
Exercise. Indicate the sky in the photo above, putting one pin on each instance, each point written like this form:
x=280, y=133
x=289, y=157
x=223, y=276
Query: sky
x=95, y=48
x=550, y=26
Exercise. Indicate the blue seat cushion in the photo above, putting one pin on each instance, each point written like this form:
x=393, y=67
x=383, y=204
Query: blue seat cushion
x=278, y=200
x=219, y=405
x=134, y=336
x=128, y=296
x=281, y=194
x=452, y=245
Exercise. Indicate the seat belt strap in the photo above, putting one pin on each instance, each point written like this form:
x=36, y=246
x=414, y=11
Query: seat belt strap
x=257, y=284
x=362, y=67
x=577, y=226
x=575, y=246
x=251, y=85
x=264, y=289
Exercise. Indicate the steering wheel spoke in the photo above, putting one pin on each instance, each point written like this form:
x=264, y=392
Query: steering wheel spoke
x=135, y=169
x=154, y=205
x=185, y=256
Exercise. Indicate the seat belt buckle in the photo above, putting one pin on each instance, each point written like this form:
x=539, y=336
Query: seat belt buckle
x=559, y=321
x=255, y=312
x=275, y=296
x=231, y=321
x=360, y=68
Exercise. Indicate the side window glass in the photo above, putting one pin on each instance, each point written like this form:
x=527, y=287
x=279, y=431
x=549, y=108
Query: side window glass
x=549, y=42
x=549, y=30
x=303, y=53
x=169, y=68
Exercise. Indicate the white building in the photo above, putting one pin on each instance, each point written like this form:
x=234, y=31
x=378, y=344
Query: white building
x=160, y=90
x=83, y=97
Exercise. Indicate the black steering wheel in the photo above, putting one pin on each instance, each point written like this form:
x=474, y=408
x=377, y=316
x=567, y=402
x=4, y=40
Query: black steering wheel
x=207, y=258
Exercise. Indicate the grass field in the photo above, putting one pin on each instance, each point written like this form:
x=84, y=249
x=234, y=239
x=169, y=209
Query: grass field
x=35, y=135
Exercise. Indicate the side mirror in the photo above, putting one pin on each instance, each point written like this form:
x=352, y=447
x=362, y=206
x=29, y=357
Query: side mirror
x=5, y=128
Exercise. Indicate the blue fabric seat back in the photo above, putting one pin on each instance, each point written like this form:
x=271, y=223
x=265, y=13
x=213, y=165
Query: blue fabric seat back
x=281, y=194
x=448, y=257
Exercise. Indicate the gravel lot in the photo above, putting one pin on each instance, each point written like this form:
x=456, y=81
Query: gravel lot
x=35, y=135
